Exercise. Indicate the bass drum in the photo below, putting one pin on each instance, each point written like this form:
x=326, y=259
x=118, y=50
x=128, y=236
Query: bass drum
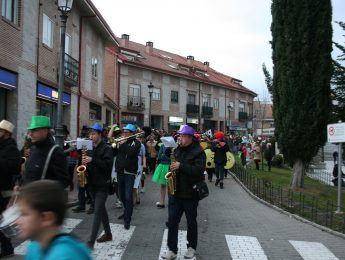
x=204, y=145
x=209, y=159
x=230, y=162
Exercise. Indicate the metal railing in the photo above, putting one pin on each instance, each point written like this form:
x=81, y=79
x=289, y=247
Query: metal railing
x=309, y=207
x=71, y=69
x=323, y=176
x=136, y=103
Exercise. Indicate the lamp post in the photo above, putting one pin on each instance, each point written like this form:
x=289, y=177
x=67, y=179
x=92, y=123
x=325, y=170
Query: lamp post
x=150, y=86
x=64, y=6
x=229, y=109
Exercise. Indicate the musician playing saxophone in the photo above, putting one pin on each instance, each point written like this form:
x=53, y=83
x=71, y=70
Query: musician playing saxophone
x=189, y=167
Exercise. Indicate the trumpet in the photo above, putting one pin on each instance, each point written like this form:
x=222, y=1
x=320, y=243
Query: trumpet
x=115, y=141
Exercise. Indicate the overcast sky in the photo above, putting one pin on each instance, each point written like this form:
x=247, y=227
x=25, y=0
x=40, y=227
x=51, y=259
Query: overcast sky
x=233, y=35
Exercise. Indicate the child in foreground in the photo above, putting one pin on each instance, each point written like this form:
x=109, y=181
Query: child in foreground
x=43, y=207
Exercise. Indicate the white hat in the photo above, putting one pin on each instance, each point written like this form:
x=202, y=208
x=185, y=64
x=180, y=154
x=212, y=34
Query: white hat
x=6, y=125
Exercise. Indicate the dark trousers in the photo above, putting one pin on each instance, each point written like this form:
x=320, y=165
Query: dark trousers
x=126, y=183
x=82, y=198
x=6, y=246
x=100, y=214
x=210, y=173
x=176, y=208
x=151, y=163
x=219, y=170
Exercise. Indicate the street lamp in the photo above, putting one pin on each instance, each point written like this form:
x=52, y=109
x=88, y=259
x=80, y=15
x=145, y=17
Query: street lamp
x=64, y=6
x=229, y=109
x=150, y=86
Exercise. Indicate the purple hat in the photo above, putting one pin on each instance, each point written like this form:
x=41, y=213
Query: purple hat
x=186, y=130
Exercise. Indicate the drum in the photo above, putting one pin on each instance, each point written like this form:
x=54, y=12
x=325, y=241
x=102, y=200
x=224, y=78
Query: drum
x=8, y=224
x=230, y=162
x=209, y=159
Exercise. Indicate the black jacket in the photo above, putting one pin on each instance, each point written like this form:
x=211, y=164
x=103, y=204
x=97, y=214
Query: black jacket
x=127, y=157
x=192, y=166
x=219, y=153
x=9, y=163
x=57, y=169
x=99, y=169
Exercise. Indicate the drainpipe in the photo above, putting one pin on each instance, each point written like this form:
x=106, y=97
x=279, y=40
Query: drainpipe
x=200, y=128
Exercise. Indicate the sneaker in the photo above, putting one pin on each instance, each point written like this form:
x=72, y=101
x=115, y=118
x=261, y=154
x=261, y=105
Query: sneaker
x=90, y=211
x=217, y=182
x=169, y=255
x=221, y=185
x=159, y=205
x=105, y=238
x=78, y=209
x=127, y=225
x=118, y=204
x=190, y=254
x=120, y=217
x=142, y=190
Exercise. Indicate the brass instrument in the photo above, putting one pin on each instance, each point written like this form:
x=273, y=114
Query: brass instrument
x=115, y=141
x=171, y=176
x=81, y=171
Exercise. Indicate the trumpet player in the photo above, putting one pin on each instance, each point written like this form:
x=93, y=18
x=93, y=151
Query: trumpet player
x=189, y=167
x=9, y=168
x=98, y=168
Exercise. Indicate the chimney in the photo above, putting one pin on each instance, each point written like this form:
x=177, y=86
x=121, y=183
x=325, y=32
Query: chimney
x=190, y=60
x=206, y=65
x=149, y=47
x=124, y=40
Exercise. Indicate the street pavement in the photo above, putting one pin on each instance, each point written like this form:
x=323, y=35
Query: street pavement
x=232, y=225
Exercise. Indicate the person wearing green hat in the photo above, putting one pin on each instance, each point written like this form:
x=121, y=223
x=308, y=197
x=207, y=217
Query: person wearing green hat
x=41, y=143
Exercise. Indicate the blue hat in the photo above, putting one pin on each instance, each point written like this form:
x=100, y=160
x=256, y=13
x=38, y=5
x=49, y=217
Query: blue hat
x=130, y=127
x=97, y=127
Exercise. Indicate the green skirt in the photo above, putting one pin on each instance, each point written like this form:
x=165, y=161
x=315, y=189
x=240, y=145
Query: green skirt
x=159, y=175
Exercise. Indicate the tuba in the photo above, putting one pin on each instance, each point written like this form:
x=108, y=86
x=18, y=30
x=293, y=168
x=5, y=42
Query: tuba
x=171, y=176
x=81, y=171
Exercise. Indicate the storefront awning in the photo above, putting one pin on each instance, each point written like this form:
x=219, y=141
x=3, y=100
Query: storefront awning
x=48, y=93
x=8, y=80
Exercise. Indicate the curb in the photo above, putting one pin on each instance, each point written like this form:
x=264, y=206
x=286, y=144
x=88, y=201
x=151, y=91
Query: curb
x=326, y=229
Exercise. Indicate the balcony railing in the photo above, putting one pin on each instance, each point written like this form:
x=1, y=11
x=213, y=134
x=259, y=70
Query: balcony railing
x=207, y=111
x=192, y=109
x=242, y=116
x=71, y=70
x=136, y=103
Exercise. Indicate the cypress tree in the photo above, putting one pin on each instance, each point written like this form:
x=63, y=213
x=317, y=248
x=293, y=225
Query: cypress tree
x=302, y=46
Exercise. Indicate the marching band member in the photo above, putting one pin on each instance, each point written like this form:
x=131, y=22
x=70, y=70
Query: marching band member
x=189, y=166
x=219, y=147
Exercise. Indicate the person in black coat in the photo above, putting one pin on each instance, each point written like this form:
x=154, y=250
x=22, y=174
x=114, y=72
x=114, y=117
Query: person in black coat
x=189, y=167
x=219, y=147
x=41, y=143
x=269, y=154
x=9, y=169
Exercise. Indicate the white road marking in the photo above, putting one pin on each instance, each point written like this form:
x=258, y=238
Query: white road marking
x=113, y=250
x=67, y=227
x=313, y=250
x=244, y=247
x=181, y=244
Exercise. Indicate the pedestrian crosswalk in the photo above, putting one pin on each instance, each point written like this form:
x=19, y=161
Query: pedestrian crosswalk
x=240, y=247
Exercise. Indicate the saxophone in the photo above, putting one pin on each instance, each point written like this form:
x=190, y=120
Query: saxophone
x=171, y=176
x=81, y=171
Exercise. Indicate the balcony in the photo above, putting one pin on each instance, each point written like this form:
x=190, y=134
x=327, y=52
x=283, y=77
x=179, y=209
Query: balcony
x=242, y=116
x=207, y=111
x=136, y=103
x=71, y=71
x=192, y=109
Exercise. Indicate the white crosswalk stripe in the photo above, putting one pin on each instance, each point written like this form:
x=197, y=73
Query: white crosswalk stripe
x=313, y=250
x=68, y=226
x=245, y=248
x=113, y=250
x=182, y=244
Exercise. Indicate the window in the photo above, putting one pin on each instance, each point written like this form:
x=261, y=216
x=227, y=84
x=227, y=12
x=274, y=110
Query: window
x=10, y=10
x=191, y=99
x=206, y=100
x=241, y=107
x=94, y=67
x=216, y=103
x=48, y=29
x=156, y=94
x=174, y=96
x=134, y=90
x=95, y=112
x=68, y=44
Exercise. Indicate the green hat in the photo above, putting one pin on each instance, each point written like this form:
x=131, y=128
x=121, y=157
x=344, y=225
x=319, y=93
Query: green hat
x=39, y=122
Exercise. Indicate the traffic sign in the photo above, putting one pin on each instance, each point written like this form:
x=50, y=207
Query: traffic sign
x=336, y=133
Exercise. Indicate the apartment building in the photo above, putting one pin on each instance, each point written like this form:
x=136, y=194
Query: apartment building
x=263, y=122
x=186, y=91
x=29, y=61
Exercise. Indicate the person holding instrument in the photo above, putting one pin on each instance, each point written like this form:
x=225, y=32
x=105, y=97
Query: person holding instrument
x=126, y=167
